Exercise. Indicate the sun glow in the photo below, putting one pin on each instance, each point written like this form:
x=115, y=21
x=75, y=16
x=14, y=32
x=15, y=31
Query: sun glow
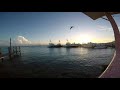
x=84, y=38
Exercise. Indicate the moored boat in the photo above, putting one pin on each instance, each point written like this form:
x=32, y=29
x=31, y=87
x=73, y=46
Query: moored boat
x=69, y=45
x=51, y=45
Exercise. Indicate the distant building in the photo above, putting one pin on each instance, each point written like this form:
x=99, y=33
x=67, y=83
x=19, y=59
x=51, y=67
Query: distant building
x=88, y=45
x=99, y=45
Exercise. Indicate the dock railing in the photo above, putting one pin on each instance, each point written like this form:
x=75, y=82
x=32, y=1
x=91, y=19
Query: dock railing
x=12, y=52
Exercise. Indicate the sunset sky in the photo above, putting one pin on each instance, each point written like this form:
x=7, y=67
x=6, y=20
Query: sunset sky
x=40, y=27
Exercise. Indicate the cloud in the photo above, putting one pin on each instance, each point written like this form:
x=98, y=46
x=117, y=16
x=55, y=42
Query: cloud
x=104, y=28
x=22, y=41
x=19, y=40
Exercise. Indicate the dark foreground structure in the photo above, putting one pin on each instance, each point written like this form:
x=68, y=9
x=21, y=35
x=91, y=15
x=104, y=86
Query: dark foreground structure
x=113, y=69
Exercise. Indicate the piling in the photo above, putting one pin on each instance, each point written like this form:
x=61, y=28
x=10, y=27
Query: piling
x=1, y=56
x=12, y=52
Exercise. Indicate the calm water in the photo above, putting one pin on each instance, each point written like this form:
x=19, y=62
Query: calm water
x=46, y=62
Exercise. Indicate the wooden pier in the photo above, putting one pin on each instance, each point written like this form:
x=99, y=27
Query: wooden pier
x=13, y=51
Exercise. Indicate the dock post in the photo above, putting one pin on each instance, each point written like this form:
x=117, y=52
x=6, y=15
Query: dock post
x=1, y=55
x=16, y=50
x=10, y=42
x=13, y=51
x=9, y=50
x=20, y=50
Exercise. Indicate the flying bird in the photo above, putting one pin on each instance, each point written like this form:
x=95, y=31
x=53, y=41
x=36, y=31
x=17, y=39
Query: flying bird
x=71, y=27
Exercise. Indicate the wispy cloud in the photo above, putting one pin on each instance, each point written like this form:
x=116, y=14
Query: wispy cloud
x=104, y=28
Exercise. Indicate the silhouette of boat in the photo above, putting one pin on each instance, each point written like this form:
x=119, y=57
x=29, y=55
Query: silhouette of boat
x=51, y=45
x=69, y=45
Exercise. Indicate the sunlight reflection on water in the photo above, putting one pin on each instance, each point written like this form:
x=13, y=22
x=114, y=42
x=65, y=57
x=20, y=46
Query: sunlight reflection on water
x=62, y=62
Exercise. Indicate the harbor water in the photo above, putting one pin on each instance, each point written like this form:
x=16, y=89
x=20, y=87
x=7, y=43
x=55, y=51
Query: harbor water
x=44, y=62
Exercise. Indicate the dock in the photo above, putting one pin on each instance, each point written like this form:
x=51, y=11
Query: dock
x=13, y=51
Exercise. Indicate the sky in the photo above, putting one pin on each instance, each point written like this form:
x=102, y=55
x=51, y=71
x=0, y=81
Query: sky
x=41, y=27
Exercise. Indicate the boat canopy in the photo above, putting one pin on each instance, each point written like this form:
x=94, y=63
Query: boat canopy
x=96, y=15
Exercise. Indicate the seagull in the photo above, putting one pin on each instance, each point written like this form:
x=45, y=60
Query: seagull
x=71, y=27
